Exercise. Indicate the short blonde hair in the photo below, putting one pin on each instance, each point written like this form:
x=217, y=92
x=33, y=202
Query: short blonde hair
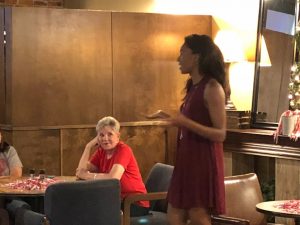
x=108, y=121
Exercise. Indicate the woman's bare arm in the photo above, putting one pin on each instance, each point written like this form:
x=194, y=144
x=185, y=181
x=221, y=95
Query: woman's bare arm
x=16, y=172
x=215, y=101
x=84, y=160
x=116, y=172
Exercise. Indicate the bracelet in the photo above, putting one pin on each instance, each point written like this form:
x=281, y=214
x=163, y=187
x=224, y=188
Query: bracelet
x=95, y=176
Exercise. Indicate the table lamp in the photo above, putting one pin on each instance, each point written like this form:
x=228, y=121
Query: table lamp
x=233, y=52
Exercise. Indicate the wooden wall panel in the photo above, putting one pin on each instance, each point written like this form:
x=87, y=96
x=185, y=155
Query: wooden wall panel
x=39, y=149
x=145, y=50
x=73, y=142
x=2, y=69
x=61, y=66
x=228, y=164
x=242, y=164
x=287, y=184
x=8, y=66
x=68, y=68
x=147, y=143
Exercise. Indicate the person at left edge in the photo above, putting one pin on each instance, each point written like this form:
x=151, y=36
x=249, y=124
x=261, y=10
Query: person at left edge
x=10, y=163
x=113, y=159
x=10, y=167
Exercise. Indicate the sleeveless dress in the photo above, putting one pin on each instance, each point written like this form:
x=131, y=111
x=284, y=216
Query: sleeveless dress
x=198, y=177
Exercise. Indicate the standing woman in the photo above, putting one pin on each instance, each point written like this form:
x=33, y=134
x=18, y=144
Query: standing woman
x=197, y=186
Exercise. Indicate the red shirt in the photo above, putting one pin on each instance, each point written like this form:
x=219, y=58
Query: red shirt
x=131, y=180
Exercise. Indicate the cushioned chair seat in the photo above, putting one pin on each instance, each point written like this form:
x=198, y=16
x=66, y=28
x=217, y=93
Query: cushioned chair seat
x=27, y=216
x=154, y=218
x=16, y=204
x=14, y=207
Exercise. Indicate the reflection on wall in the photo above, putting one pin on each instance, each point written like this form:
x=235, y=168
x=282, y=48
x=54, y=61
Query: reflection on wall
x=274, y=80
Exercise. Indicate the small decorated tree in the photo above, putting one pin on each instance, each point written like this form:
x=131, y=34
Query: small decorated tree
x=294, y=85
x=292, y=116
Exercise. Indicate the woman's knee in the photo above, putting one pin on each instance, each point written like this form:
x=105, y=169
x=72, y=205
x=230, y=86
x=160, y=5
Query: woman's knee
x=176, y=216
x=199, y=216
x=4, y=218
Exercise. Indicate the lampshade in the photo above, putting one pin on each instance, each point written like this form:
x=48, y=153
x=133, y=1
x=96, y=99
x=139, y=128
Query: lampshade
x=264, y=54
x=230, y=46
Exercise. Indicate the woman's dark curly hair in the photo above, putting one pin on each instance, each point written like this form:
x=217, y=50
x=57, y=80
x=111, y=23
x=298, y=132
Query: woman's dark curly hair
x=4, y=146
x=211, y=61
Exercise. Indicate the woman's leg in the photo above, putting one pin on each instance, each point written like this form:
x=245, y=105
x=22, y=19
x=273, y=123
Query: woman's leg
x=4, y=219
x=136, y=210
x=199, y=216
x=176, y=216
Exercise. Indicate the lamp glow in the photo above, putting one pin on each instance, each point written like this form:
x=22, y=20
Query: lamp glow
x=230, y=45
x=264, y=57
x=233, y=51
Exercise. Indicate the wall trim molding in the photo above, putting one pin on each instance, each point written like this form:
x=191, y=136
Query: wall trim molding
x=261, y=143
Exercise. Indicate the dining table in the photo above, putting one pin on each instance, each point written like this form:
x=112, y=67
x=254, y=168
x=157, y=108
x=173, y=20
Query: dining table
x=30, y=189
x=14, y=186
x=281, y=208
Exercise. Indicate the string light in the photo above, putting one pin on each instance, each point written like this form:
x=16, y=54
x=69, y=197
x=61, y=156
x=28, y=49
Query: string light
x=294, y=86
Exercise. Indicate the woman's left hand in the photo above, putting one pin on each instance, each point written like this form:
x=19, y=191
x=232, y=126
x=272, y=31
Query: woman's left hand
x=177, y=120
x=82, y=173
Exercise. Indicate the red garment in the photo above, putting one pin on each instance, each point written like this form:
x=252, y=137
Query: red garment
x=198, y=177
x=131, y=180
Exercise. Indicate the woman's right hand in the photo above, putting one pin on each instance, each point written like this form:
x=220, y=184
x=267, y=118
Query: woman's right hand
x=81, y=173
x=159, y=114
x=93, y=142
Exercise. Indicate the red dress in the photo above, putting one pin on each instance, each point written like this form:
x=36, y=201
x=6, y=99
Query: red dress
x=198, y=177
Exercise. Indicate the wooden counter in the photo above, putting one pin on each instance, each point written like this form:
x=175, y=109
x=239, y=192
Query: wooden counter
x=261, y=142
x=254, y=150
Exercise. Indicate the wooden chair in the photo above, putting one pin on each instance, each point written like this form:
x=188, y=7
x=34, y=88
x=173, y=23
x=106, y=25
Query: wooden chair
x=242, y=193
x=157, y=185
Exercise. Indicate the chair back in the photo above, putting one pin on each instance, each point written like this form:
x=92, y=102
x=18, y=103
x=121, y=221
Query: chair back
x=158, y=181
x=94, y=202
x=242, y=193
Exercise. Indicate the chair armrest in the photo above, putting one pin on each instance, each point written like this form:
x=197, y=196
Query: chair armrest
x=128, y=200
x=224, y=220
x=144, y=197
x=16, y=204
x=29, y=217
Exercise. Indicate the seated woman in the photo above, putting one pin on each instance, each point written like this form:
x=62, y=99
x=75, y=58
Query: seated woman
x=10, y=163
x=113, y=159
x=10, y=166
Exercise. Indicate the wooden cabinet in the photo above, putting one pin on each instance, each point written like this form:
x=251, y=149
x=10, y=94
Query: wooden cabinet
x=255, y=151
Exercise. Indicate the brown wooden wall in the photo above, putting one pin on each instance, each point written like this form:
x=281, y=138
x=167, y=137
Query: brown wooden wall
x=61, y=71
x=2, y=69
x=145, y=71
x=43, y=3
x=65, y=69
x=58, y=149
